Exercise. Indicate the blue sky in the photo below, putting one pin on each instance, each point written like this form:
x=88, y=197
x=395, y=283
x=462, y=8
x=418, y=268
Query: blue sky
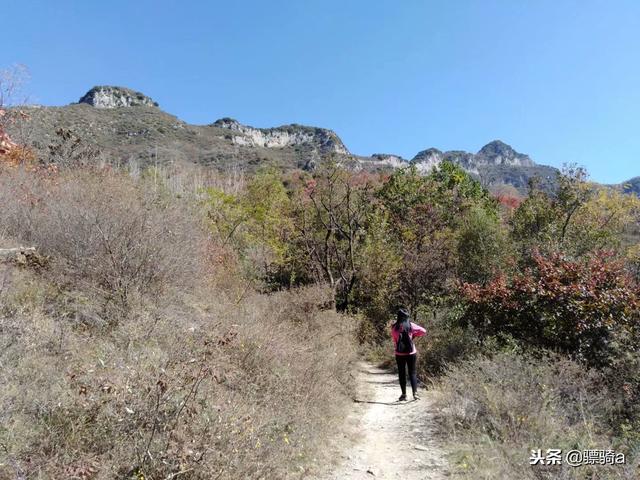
x=559, y=80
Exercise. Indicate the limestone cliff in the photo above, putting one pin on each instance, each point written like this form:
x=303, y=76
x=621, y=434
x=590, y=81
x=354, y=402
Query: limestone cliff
x=493, y=154
x=114, y=97
x=321, y=139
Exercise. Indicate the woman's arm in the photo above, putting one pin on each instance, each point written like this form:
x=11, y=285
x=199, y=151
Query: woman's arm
x=417, y=330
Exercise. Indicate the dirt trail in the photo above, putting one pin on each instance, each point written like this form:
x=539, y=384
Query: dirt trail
x=393, y=440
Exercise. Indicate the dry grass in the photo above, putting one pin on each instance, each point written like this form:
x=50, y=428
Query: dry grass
x=496, y=410
x=198, y=378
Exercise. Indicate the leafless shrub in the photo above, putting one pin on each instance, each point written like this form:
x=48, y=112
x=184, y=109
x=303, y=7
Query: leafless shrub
x=69, y=150
x=106, y=235
x=206, y=391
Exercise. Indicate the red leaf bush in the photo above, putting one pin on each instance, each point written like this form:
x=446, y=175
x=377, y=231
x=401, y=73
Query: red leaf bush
x=583, y=307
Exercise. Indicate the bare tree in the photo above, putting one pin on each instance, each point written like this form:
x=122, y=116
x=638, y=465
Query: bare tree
x=330, y=221
x=12, y=81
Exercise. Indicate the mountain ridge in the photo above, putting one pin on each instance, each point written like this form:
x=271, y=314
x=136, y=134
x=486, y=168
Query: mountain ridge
x=130, y=126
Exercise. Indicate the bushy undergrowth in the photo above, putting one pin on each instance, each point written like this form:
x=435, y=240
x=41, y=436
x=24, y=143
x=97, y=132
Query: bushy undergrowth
x=446, y=342
x=495, y=410
x=587, y=307
x=133, y=355
x=105, y=234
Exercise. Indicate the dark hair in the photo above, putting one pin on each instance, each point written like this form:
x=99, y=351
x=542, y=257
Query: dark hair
x=402, y=316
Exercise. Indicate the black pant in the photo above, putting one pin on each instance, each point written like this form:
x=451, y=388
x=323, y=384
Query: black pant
x=410, y=362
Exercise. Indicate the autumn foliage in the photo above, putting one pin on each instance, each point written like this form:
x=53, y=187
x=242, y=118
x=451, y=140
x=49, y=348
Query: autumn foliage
x=509, y=202
x=11, y=153
x=579, y=306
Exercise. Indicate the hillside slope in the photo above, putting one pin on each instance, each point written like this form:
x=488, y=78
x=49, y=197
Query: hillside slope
x=128, y=126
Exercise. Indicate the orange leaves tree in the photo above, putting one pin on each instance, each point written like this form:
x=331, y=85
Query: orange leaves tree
x=584, y=307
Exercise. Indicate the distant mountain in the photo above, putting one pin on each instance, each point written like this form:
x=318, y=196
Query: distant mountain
x=631, y=186
x=496, y=153
x=130, y=127
x=495, y=164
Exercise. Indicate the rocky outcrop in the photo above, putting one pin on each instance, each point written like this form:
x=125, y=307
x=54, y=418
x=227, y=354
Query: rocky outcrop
x=321, y=139
x=148, y=136
x=427, y=159
x=115, y=97
x=495, y=164
x=387, y=160
x=499, y=153
x=22, y=256
x=495, y=153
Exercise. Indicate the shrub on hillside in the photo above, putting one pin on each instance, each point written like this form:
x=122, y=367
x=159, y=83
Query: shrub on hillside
x=197, y=377
x=112, y=238
x=583, y=307
x=496, y=410
x=201, y=389
x=446, y=342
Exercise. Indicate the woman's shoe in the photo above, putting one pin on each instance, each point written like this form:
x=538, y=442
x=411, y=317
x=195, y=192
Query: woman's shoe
x=416, y=397
x=403, y=398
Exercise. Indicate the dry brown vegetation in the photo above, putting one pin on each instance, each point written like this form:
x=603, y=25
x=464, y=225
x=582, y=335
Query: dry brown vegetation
x=496, y=409
x=136, y=344
x=136, y=351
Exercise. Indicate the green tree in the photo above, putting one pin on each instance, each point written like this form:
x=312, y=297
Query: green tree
x=420, y=232
x=428, y=217
x=380, y=266
x=578, y=218
x=483, y=246
x=256, y=222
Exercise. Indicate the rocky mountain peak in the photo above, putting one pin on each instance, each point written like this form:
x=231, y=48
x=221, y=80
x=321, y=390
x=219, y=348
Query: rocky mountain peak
x=426, y=155
x=426, y=160
x=499, y=153
x=387, y=160
x=114, y=97
x=229, y=123
x=496, y=147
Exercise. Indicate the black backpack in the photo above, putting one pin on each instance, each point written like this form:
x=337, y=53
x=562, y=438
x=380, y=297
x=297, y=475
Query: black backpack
x=405, y=343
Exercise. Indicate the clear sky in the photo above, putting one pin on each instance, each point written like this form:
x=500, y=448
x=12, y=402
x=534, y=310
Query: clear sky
x=557, y=79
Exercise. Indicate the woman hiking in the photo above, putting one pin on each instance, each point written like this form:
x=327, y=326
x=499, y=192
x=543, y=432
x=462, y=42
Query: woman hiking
x=403, y=332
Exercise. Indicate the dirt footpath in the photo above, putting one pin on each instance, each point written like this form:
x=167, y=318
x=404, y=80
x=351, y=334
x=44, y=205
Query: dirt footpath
x=392, y=440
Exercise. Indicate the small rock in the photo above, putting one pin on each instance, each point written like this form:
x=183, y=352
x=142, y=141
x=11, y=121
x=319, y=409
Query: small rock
x=422, y=448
